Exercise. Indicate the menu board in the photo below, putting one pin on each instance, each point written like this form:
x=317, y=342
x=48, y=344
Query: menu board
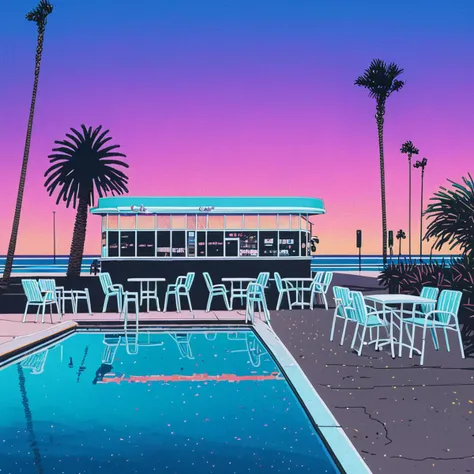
x=289, y=244
x=248, y=244
x=268, y=243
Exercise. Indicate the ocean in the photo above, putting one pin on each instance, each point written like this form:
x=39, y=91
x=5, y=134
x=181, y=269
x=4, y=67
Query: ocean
x=29, y=264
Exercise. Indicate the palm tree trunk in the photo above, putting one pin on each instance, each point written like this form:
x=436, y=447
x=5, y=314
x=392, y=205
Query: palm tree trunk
x=21, y=187
x=421, y=216
x=78, y=239
x=409, y=206
x=380, y=121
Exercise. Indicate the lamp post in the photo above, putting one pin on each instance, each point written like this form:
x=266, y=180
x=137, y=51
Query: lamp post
x=421, y=164
x=400, y=235
x=54, y=237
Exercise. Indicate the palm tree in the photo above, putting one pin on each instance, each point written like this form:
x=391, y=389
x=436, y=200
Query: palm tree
x=39, y=15
x=82, y=167
x=409, y=149
x=452, y=214
x=400, y=235
x=381, y=81
x=421, y=164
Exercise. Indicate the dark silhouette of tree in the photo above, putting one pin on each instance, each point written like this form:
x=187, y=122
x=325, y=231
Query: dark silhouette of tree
x=39, y=15
x=81, y=167
x=421, y=164
x=400, y=235
x=380, y=79
x=452, y=217
x=409, y=149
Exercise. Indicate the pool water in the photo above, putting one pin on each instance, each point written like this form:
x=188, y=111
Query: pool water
x=194, y=402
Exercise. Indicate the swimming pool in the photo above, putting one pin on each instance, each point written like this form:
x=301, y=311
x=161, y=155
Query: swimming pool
x=178, y=402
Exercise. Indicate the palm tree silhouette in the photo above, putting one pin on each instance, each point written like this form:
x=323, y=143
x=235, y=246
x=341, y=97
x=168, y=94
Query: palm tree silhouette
x=81, y=168
x=421, y=164
x=400, y=235
x=381, y=81
x=409, y=149
x=39, y=15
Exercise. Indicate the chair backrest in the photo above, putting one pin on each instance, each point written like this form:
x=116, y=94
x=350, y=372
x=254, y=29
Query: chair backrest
x=208, y=280
x=278, y=281
x=342, y=297
x=32, y=291
x=360, y=308
x=105, y=281
x=450, y=301
x=263, y=278
x=254, y=291
x=189, y=280
x=318, y=278
x=327, y=281
x=430, y=293
x=48, y=285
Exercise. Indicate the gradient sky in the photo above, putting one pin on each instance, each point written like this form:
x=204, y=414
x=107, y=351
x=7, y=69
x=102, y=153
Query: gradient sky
x=241, y=97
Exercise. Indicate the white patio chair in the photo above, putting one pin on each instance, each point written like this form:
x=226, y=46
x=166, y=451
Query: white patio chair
x=444, y=317
x=183, y=341
x=284, y=288
x=49, y=284
x=130, y=297
x=343, y=310
x=256, y=296
x=82, y=295
x=110, y=290
x=320, y=288
x=215, y=290
x=34, y=297
x=181, y=288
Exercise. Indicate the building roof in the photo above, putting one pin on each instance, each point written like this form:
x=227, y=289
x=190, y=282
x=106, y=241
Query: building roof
x=207, y=205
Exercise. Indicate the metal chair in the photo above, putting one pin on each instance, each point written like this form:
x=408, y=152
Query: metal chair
x=181, y=288
x=215, y=290
x=320, y=288
x=84, y=296
x=284, y=288
x=256, y=296
x=49, y=284
x=34, y=297
x=110, y=290
x=343, y=310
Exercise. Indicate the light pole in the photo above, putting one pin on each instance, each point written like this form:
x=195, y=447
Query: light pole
x=421, y=164
x=400, y=235
x=54, y=237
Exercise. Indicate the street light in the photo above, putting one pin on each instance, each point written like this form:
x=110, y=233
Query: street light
x=421, y=164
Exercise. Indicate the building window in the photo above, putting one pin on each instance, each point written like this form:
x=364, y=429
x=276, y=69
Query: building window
x=145, y=222
x=268, y=244
x=295, y=222
x=304, y=244
x=202, y=222
x=289, y=244
x=284, y=221
x=248, y=244
x=163, y=244
x=179, y=244
x=146, y=243
x=178, y=221
x=127, y=243
x=191, y=243
x=215, y=244
x=268, y=221
x=112, y=222
x=201, y=244
x=233, y=222
x=113, y=250
x=250, y=222
x=192, y=222
x=163, y=221
x=128, y=222
x=216, y=222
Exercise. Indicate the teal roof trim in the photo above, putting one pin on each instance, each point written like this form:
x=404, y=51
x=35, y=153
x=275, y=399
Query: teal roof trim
x=215, y=205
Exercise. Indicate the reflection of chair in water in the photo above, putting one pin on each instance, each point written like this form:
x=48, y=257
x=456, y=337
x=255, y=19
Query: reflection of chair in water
x=253, y=347
x=183, y=340
x=130, y=340
x=112, y=342
x=210, y=336
x=36, y=362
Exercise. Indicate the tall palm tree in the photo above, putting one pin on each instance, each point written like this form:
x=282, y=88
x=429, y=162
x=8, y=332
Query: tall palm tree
x=39, y=15
x=81, y=167
x=380, y=79
x=400, y=235
x=421, y=164
x=409, y=149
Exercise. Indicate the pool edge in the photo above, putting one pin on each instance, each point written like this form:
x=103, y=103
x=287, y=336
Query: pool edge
x=334, y=435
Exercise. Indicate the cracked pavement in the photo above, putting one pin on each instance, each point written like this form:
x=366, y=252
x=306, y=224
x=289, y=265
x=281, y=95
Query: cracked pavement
x=401, y=417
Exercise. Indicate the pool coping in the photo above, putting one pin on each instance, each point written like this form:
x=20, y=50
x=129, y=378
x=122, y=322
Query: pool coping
x=334, y=435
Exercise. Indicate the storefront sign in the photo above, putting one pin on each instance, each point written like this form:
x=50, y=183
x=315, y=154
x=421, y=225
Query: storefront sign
x=139, y=209
x=206, y=208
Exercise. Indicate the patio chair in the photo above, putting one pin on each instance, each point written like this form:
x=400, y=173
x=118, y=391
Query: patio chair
x=445, y=317
x=320, y=288
x=256, y=296
x=284, y=288
x=180, y=288
x=343, y=310
x=183, y=341
x=263, y=278
x=110, y=290
x=82, y=295
x=366, y=319
x=215, y=290
x=34, y=297
x=49, y=284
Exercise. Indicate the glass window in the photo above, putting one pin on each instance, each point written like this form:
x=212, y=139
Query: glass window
x=146, y=243
x=178, y=239
x=295, y=222
x=112, y=222
x=304, y=224
x=113, y=244
x=284, y=221
x=215, y=244
x=201, y=244
x=128, y=222
x=163, y=221
x=191, y=243
x=201, y=222
x=104, y=222
x=233, y=222
x=268, y=244
x=127, y=244
x=192, y=222
x=104, y=245
x=163, y=243
x=216, y=222
x=268, y=221
x=250, y=222
x=248, y=244
x=178, y=221
x=289, y=244
x=145, y=222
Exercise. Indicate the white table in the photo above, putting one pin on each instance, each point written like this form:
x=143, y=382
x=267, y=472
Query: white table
x=148, y=294
x=387, y=299
x=239, y=291
x=297, y=280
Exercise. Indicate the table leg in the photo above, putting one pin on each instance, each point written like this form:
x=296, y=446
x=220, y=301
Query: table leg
x=400, y=339
x=302, y=294
x=392, y=342
x=148, y=296
x=142, y=289
x=241, y=289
